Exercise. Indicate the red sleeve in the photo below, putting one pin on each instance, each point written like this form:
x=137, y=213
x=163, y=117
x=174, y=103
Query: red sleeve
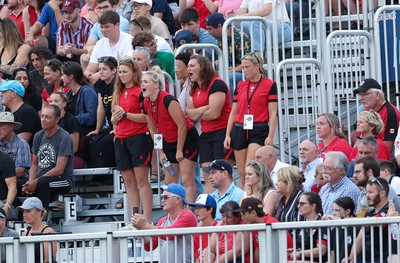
x=186, y=219
x=155, y=238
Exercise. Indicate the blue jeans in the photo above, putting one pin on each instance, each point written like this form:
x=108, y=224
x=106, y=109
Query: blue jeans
x=258, y=38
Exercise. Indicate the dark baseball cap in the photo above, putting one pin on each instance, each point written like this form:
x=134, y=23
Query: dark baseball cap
x=215, y=19
x=367, y=84
x=183, y=37
x=220, y=165
x=250, y=204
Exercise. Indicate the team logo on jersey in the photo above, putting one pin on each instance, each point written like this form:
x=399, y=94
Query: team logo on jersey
x=391, y=131
x=46, y=156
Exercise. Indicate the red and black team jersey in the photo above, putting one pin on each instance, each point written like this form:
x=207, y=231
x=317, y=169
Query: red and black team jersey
x=201, y=98
x=259, y=94
x=390, y=117
x=131, y=101
x=159, y=115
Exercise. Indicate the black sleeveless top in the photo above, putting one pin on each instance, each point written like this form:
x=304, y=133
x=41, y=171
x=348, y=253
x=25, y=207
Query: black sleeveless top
x=7, y=76
x=37, y=245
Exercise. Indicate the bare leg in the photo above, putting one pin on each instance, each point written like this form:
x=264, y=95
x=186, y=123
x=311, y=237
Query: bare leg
x=131, y=187
x=240, y=157
x=145, y=191
x=187, y=168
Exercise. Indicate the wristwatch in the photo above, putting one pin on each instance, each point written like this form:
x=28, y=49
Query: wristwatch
x=124, y=115
x=91, y=9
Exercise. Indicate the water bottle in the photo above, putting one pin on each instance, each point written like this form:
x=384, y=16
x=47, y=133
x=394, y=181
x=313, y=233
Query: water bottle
x=168, y=166
x=130, y=247
x=138, y=248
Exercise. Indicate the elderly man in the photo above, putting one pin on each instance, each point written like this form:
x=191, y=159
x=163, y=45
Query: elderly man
x=16, y=147
x=373, y=98
x=221, y=179
x=268, y=155
x=173, y=201
x=308, y=156
x=52, y=159
x=336, y=166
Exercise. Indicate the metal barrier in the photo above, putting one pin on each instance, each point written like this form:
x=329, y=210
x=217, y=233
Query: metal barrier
x=302, y=96
x=390, y=59
x=128, y=246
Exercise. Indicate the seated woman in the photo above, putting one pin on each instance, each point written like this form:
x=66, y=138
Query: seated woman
x=310, y=207
x=52, y=74
x=369, y=123
x=290, y=185
x=34, y=213
x=343, y=208
x=218, y=240
x=259, y=185
x=83, y=98
x=31, y=97
x=71, y=124
x=14, y=52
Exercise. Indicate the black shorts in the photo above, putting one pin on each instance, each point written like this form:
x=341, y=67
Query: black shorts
x=240, y=138
x=211, y=146
x=190, y=148
x=134, y=151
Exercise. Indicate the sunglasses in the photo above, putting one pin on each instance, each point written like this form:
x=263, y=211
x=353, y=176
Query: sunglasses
x=126, y=60
x=140, y=48
x=50, y=63
x=137, y=23
x=375, y=180
x=108, y=58
x=166, y=197
x=254, y=164
x=253, y=55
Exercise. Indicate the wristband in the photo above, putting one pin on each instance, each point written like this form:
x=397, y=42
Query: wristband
x=9, y=206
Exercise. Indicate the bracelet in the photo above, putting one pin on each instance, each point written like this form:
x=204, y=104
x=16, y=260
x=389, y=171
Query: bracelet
x=9, y=206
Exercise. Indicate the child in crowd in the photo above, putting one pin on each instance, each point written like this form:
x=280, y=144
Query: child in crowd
x=320, y=179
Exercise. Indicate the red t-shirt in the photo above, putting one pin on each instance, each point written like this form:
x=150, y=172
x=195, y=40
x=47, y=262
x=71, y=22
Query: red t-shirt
x=160, y=116
x=226, y=247
x=259, y=94
x=46, y=96
x=204, y=242
x=185, y=219
x=20, y=23
x=203, y=12
x=383, y=151
x=338, y=145
x=131, y=100
x=201, y=98
x=390, y=117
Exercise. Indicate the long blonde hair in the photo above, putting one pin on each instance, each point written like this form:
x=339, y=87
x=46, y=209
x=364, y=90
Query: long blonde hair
x=119, y=86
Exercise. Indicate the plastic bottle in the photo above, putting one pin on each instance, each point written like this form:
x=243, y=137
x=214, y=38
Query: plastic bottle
x=138, y=248
x=130, y=247
x=168, y=166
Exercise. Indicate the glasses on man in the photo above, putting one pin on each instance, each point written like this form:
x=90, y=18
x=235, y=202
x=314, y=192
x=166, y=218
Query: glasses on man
x=138, y=5
x=166, y=197
x=141, y=48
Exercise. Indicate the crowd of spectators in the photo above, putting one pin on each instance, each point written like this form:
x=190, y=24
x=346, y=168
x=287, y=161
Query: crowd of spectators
x=70, y=71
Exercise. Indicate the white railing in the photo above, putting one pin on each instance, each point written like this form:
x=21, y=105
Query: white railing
x=114, y=246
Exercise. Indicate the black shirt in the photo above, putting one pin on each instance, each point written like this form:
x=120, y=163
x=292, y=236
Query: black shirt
x=29, y=118
x=105, y=92
x=7, y=169
x=37, y=80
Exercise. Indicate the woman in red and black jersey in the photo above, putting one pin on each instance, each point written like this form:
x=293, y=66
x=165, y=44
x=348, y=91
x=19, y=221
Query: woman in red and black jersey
x=210, y=102
x=166, y=120
x=253, y=118
x=132, y=144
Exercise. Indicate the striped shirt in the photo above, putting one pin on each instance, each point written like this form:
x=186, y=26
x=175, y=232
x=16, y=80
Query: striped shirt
x=79, y=38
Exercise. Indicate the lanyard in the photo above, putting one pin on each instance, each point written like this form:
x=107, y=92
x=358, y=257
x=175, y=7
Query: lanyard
x=154, y=110
x=249, y=98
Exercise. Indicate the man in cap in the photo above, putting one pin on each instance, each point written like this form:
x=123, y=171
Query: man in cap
x=205, y=209
x=373, y=98
x=221, y=179
x=184, y=37
x=52, y=159
x=12, y=93
x=73, y=32
x=14, y=146
x=173, y=201
x=5, y=232
x=158, y=27
x=253, y=213
x=240, y=47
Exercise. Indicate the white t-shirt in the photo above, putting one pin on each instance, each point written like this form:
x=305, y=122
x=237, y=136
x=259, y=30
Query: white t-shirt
x=254, y=5
x=395, y=183
x=103, y=48
x=162, y=45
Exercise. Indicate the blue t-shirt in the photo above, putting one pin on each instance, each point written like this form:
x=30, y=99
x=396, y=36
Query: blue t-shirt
x=233, y=193
x=95, y=32
x=47, y=16
x=205, y=37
